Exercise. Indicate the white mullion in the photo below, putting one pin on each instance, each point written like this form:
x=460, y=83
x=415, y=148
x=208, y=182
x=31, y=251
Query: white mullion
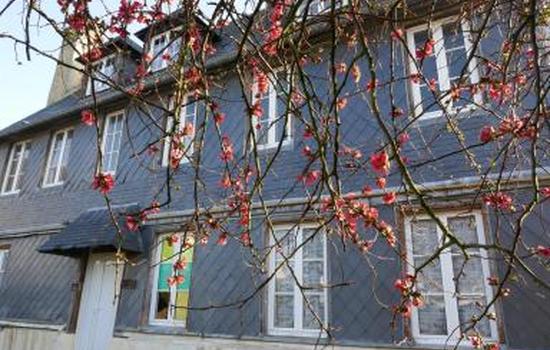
x=19, y=166
x=415, y=88
x=486, y=271
x=49, y=163
x=442, y=66
x=271, y=290
x=8, y=168
x=104, y=142
x=272, y=117
x=174, y=287
x=472, y=66
x=61, y=155
x=325, y=277
x=167, y=140
x=156, y=276
x=448, y=284
x=298, y=298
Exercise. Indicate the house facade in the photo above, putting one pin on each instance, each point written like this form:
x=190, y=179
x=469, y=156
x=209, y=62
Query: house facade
x=62, y=287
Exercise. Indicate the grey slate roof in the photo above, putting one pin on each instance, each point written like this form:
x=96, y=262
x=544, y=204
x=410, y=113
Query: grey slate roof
x=94, y=229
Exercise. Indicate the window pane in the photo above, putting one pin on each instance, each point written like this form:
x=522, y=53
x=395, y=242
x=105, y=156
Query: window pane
x=316, y=302
x=163, y=300
x=284, y=311
x=66, y=153
x=431, y=316
x=430, y=279
x=456, y=61
x=429, y=101
x=55, y=156
x=469, y=275
x=424, y=237
x=314, y=248
x=182, y=302
x=113, y=137
x=3, y=258
x=284, y=282
x=287, y=243
x=23, y=167
x=313, y=273
x=464, y=228
x=473, y=307
x=453, y=36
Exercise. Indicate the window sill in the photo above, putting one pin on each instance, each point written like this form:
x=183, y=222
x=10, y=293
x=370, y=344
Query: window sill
x=286, y=146
x=429, y=342
x=54, y=185
x=7, y=194
x=439, y=116
x=293, y=334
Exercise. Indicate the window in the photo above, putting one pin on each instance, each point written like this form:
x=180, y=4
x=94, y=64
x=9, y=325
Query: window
x=170, y=300
x=3, y=263
x=112, y=138
x=56, y=168
x=165, y=47
x=188, y=115
x=16, y=167
x=449, y=305
x=288, y=313
x=274, y=125
x=450, y=53
x=317, y=7
x=104, y=70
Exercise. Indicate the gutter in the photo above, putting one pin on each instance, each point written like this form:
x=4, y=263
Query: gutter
x=444, y=188
x=31, y=231
x=28, y=325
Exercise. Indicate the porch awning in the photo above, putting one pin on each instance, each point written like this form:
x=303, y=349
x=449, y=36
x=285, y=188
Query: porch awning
x=94, y=230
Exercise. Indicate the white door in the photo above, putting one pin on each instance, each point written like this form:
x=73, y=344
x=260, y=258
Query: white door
x=98, y=304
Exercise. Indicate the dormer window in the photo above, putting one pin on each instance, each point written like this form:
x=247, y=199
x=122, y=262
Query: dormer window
x=103, y=71
x=318, y=7
x=165, y=48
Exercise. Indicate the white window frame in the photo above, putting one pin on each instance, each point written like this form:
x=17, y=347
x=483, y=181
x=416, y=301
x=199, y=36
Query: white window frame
x=167, y=43
x=441, y=65
x=108, y=121
x=298, y=329
x=271, y=114
x=99, y=69
x=14, y=190
x=183, y=120
x=170, y=321
x=57, y=178
x=447, y=274
x=319, y=8
x=4, y=253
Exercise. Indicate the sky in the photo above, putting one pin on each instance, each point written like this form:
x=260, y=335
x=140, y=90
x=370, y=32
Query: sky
x=24, y=84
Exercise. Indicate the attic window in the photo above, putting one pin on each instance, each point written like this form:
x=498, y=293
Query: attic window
x=318, y=7
x=165, y=48
x=103, y=72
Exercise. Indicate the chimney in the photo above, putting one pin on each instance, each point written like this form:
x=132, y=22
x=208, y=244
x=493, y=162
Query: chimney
x=66, y=80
